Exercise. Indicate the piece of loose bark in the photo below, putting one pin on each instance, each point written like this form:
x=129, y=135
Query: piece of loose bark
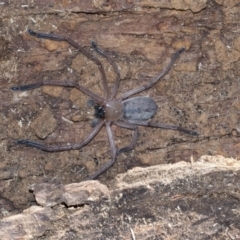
x=198, y=200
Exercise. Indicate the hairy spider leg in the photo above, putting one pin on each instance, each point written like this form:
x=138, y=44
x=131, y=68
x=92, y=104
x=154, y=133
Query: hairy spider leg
x=27, y=87
x=154, y=80
x=59, y=83
x=164, y=126
x=115, y=68
x=130, y=126
x=113, y=150
x=82, y=50
x=133, y=126
x=55, y=147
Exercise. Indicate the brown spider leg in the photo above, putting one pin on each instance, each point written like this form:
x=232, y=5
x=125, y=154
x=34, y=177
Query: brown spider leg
x=114, y=66
x=164, y=126
x=156, y=79
x=63, y=146
x=133, y=127
x=82, y=50
x=59, y=83
x=114, y=154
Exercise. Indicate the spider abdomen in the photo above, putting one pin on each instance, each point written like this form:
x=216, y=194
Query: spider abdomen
x=139, y=108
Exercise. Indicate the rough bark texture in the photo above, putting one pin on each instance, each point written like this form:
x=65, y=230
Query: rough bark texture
x=179, y=201
x=201, y=93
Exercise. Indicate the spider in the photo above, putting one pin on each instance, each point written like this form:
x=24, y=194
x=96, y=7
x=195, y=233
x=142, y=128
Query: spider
x=124, y=111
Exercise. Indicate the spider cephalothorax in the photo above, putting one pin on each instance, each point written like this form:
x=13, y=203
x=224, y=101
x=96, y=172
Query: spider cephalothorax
x=112, y=110
x=124, y=112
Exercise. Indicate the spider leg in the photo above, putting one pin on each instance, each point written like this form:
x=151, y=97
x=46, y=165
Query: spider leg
x=114, y=154
x=156, y=79
x=133, y=127
x=58, y=83
x=114, y=66
x=164, y=126
x=63, y=146
x=27, y=87
x=81, y=49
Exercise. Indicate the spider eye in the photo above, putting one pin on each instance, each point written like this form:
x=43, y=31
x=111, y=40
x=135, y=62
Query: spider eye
x=99, y=111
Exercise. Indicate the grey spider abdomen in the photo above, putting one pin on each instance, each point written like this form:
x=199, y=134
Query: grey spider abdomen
x=139, y=108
